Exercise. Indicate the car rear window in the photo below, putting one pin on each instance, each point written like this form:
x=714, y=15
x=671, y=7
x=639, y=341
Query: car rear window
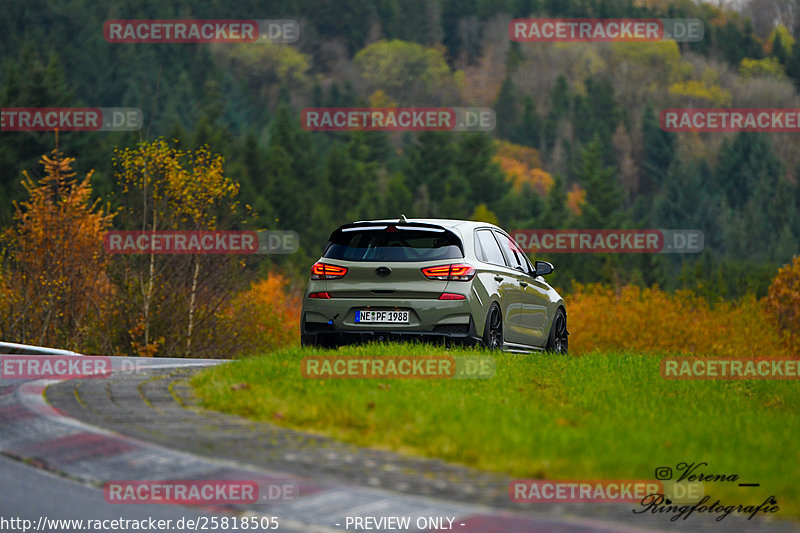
x=385, y=244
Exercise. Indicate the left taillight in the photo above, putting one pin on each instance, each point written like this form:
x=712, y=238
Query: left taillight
x=453, y=272
x=326, y=271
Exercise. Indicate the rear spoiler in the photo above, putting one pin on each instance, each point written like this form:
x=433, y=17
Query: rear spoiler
x=395, y=223
x=382, y=224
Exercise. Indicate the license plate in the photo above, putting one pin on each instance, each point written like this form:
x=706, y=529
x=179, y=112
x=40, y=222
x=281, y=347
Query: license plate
x=385, y=317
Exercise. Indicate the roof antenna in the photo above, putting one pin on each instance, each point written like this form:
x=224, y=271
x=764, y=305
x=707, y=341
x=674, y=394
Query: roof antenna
x=403, y=218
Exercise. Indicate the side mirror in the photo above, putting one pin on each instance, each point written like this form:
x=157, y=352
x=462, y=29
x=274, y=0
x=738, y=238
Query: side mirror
x=542, y=268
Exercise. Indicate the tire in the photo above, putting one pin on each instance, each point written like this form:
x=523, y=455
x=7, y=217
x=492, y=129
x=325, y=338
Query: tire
x=558, y=340
x=307, y=341
x=493, y=331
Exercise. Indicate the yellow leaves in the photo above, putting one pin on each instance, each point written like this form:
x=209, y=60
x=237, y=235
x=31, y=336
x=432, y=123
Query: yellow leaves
x=521, y=165
x=586, y=61
x=575, y=199
x=56, y=267
x=380, y=99
x=784, y=35
x=651, y=320
x=663, y=57
x=267, y=316
x=699, y=90
x=524, y=154
x=179, y=188
x=407, y=71
x=149, y=349
x=767, y=67
x=483, y=214
x=265, y=64
x=782, y=302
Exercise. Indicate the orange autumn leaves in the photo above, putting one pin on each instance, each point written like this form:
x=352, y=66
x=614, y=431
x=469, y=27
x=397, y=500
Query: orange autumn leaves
x=265, y=317
x=782, y=303
x=54, y=288
x=650, y=320
x=522, y=167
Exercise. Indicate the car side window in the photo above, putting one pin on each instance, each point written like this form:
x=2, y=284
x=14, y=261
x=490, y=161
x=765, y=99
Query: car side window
x=479, y=249
x=512, y=252
x=528, y=266
x=491, y=250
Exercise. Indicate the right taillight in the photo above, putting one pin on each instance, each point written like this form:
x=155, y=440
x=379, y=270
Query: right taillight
x=452, y=296
x=325, y=271
x=453, y=272
x=320, y=295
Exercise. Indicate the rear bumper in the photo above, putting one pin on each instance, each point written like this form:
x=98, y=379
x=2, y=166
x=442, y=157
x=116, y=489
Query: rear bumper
x=323, y=334
x=332, y=322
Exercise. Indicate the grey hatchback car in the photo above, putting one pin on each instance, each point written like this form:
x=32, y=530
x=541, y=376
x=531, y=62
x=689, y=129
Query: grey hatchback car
x=454, y=281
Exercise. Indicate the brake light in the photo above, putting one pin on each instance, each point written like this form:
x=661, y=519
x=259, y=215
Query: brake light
x=452, y=296
x=454, y=272
x=320, y=295
x=325, y=271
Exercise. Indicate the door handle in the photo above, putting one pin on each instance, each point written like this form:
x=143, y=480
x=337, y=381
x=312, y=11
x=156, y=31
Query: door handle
x=498, y=278
x=523, y=283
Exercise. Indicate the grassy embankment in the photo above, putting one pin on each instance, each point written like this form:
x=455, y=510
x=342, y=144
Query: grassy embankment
x=598, y=416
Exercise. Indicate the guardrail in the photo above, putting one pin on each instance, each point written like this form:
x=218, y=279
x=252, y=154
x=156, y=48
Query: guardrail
x=28, y=349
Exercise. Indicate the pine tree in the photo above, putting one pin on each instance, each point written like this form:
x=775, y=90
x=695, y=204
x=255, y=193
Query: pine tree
x=603, y=204
x=559, y=107
x=793, y=64
x=559, y=96
x=529, y=130
x=485, y=180
x=745, y=164
x=505, y=109
x=429, y=162
x=778, y=50
x=556, y=215
x=659, y=151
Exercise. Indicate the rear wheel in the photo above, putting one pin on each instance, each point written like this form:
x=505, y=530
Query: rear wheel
x=558, y=339
x=493, y=332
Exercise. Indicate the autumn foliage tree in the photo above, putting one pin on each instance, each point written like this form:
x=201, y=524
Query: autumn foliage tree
x=783, y=301
x=171, y=303
x=265, y=317
x=54, y=288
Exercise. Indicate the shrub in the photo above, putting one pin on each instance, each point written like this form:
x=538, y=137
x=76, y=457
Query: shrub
x=264, y=317
x=783, y=303
x=651, y=320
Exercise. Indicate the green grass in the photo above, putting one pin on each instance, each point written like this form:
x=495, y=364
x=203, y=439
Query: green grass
x=600, y=416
